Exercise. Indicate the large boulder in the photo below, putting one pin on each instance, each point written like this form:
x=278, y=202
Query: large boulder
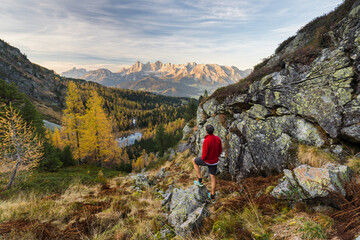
x=194, y=220
x=267, y=146
x=187, y=208
x=306, y=182
x=187, y=131
x=141, y=181
x=314, y=102
x=352, y=133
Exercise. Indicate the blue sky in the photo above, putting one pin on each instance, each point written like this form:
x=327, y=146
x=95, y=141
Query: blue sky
x=61, y=34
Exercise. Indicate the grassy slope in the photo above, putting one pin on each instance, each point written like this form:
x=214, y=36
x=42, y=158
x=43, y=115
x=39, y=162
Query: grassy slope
x=108, y=207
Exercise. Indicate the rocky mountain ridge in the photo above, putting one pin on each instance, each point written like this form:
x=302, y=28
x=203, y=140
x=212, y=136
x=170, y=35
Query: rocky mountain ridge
x=314, y=103
x=171, y=79
x=44, y=87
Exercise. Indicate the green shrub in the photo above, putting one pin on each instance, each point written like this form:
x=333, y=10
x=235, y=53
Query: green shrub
x=51, y=161
x=242, y=224
x=67, y=158
x=312, y=230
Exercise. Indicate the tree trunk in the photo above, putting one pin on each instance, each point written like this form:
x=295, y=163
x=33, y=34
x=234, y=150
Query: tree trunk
x=12, y=176
x=18, y=150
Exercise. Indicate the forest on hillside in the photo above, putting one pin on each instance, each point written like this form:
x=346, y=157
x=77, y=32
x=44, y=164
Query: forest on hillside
x=93, y=115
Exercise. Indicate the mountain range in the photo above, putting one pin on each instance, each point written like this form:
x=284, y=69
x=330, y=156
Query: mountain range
x=184, y=80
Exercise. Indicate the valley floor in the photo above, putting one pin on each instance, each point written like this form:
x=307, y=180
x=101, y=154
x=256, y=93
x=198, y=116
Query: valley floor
x=86, y=202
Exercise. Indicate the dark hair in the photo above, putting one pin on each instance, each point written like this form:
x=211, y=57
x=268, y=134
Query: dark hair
x=210, y=129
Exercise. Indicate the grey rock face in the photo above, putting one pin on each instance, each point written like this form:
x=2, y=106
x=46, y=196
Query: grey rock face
x=306, y=182
x=315, y=104
x=352, y=133
x=183, y=147
x=142, y=181
x=187, y=208
x=162, y=173
x=210, y=107
x=259, y=112
x=172, y=155
x=187, y=130
x=352, y=112
x=193, y=221
x=167, y=199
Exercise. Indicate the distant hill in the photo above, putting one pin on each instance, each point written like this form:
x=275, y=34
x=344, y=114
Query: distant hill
x=188, y=79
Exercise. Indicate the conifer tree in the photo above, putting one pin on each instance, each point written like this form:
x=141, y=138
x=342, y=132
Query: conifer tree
x=56, y=139
x=31, y=115
x=96, y=138
x=160, y=139
x=124, y=156
x=72, y=119
x=20, y=146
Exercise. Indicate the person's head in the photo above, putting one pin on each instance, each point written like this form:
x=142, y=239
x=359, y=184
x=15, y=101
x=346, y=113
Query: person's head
x=210, y=129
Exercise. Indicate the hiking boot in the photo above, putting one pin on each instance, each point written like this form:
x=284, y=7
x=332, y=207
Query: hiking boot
x=212, y=200
x=197, y=183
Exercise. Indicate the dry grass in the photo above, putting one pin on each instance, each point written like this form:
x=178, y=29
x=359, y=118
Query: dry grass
x=354, y=164
x=31, y=207
x=243, y=210
x=303, y=226
x=313, y=156
x=77, y=192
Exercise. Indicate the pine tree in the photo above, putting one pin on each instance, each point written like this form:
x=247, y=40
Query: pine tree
x=72, y=119
x=96, y=138
x=51, y=160
x=67, y=157
x=160, y=139
x=20, y=146
x=10, y=94
x=31, y=115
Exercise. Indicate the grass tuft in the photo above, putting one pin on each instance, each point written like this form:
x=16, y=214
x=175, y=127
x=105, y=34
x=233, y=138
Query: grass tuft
x=313, y=156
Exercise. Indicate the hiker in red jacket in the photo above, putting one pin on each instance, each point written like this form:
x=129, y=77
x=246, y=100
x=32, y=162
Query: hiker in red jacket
x=210, y=157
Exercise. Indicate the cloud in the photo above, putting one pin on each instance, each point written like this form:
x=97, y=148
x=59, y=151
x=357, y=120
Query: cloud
x=288, y=30
x=57, y=34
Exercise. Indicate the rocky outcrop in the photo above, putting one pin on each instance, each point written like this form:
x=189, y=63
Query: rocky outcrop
x=142, y=181
x=45, y=88
x=187, y=209
x=316, y=104
x=306, y=182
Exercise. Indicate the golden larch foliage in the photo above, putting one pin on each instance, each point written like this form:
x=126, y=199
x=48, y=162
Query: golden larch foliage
x=72, y=119
x=97, y=140
x=20, y=146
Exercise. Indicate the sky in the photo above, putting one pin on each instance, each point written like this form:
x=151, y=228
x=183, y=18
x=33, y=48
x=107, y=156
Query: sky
x=62, y=34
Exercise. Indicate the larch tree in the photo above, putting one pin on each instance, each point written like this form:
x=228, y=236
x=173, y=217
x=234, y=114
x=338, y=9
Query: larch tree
x=72, y=119
x=56, y=139
x=98, y=142
x=124, y=156
x=20, y=146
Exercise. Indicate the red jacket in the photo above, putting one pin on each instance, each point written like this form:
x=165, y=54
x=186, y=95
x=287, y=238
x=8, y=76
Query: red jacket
x=211, y=149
